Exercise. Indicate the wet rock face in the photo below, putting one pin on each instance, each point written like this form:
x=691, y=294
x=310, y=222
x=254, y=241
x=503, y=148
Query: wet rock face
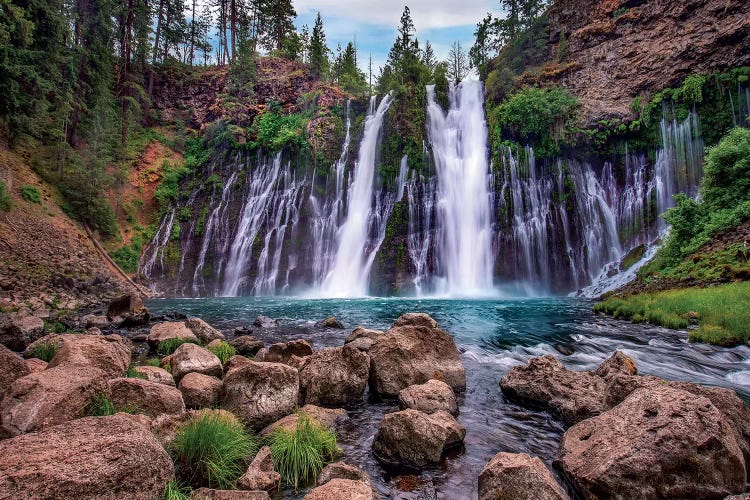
x=518, y=476
x=414, y=351
x=617, y=55
x=336, y=376
x=261, y=393
x=415, y=439
x=660, y=442
x=96, y=457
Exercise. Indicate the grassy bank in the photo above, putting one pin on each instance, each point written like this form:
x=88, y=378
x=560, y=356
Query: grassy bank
x=722, y=313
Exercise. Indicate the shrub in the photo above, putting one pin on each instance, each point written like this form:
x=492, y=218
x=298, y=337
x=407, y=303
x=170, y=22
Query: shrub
x=30, y=194
x=168, y=346
x=213, y=450
x=173, y=491
x=153, y=362
x=132, y=373
x=169, y=187
x=44, y=351
x=223, y=351
x=300, y=454
x=274, y=131
x=5, y=201
x=101, y=406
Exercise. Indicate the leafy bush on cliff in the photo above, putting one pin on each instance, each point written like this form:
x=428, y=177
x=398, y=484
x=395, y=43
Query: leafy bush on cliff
x=274, y=131
x=30, y=194
x=5, y=201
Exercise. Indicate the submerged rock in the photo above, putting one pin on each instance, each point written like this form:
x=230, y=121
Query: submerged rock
x=414, y=351
x=430, y=397
x=149, y=398
x=660, y=442
x=96, y=457
x=260, y=475
x=335, y=376
x=415, y=439
x=330, y=322
x=518, y=476
x=265, y=322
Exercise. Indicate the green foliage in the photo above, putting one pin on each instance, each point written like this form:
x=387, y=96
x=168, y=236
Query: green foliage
x=223, y=351
x=722, y=312
x=213, y=450
x=101, y=406
x=169, y=188
x=133, y=373
x=44, y=351
x=300, y=454
x=173, y=491
x=274, y=131
x=545, y=117
x=128, y=255
x=6, y=203
x=168, y=346
x=30, y=194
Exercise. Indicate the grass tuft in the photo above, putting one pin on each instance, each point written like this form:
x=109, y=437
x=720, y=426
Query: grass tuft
x=132, y=373
x=45, y=351
x=153, y=362
x=213, y=450
x=300, y=454
x=168, y=346
x=30, y=194
x=173, y=491
x=223, y=351
x=101, y=406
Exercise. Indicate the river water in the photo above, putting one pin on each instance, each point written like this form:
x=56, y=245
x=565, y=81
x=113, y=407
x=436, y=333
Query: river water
x=493, y=336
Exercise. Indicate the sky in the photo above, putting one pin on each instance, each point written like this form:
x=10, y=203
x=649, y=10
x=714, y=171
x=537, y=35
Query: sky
x=373, y=23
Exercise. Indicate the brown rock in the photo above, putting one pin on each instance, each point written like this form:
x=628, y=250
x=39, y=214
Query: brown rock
x=517, y=476
x=209, y=494
x=660, y=442
x=50, y=397
x=36, y=365
x=236, y=361
x=155, y=374
x=205, y=332
x=363, y=338
x=261, y=393
x=335, y=376
x=50, y=338
x=246, y=345
x=414, y=351
x=94, y=321
x=107, y=353
x=290, y=353
x=326, y=417
x=265, y=322
x=330, y=322
x=20, y=331
x=429, y=397
x=193, y=358
x=341, y=489
x=150, y=398
x=12, y=367
x=260, y=476
x=415, y=439
x=342, y=470
x=96, y=457
x=200, y=391
x=170, y=330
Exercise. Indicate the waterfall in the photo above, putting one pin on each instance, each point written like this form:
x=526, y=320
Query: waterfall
x=155, y=250
x=422, y=195
x=459, y=145
x=350, y=271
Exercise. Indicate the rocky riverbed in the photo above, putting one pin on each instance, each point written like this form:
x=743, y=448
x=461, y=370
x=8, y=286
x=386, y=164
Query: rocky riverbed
x=397, y=398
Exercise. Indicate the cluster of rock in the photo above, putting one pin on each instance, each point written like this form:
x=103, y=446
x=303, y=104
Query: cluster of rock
x=631, y=436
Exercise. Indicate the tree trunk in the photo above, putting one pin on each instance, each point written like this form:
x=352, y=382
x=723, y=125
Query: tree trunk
x=156, y=48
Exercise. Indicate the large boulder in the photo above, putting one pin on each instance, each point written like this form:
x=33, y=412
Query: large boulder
x=155, y=374
x=544, y=383
x=362, y=338
x=50, y=397
x=247, y=345
x=430, y=397
x=235, y=362
x=149, y=398
x=415, y=439
x=189, y=358
x=18, y=331
x=12, y=367
x=36, y=365
x=292, y=353
x=335, y=376
x=342, y=489
x=96, y=457
x=260, y=475
x=660, y=442
x=108, y=353
x=128, y=310
x=517, y=476
x=326, y=417
x=200, y=391
x=51, y=339
x=170, y=330
x=261, y=393
x=205, y=332
x=414, y=351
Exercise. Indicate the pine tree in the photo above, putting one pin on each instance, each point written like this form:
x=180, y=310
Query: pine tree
x=279, y=23
x=484, y=45
x=428, y=56
x=458, y=67
x=318, y=49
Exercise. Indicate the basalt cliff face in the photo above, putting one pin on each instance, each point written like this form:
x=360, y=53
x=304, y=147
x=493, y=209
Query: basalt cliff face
x=619, y=49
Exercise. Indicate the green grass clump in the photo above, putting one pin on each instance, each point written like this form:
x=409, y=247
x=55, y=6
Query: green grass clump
x=44, y=351
x=168, y=346
x=101, y=406
x=213, y=450
x=173, y=491
x=5, y=201
x=153, y=362
x=223, y=351
x=722, y=312
x=133, y=373
x=30, y=194
x=301, y=454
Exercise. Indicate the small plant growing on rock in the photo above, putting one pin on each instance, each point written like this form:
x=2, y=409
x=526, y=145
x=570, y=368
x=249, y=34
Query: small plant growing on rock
x=44, y=351
x=173, y=491
x=154, y=362
x=168, y=346
x=223, y=351
x=30, y=194
x=213, y=450
x=133, y=373
x=101, y=406
x=300, y=454
x=5, y=201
